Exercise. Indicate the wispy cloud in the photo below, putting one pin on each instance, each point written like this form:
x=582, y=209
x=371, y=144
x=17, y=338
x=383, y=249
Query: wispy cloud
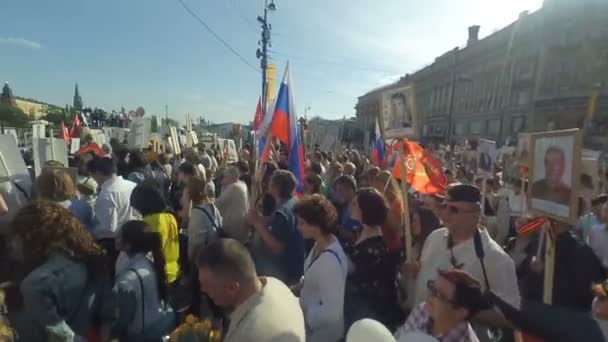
x=20, y=42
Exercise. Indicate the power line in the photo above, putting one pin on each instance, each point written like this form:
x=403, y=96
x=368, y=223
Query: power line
x=217, y=36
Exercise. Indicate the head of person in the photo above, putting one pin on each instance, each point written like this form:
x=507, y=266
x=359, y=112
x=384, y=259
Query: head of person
x=136, y=238
x=350, y=169
x=345, y=189
x=312, y=184
x=598, y=203
x=55, y=185
x=186, y=171
x=147, y=200
x=317, y=217
x=137, y=160
x=196, y=191
x=242, y=166
x=368, y=178
x=269, y=168
x=317, y=157
x=230, y=176
x=226, y=272
x=315, y=168
x=555, y=165
x=369, y=207
x=335, y=171
x=387, y=185
x=461, y=208
x=103, y=169
x=454, y=296
x=282, y=185
x=42, y=229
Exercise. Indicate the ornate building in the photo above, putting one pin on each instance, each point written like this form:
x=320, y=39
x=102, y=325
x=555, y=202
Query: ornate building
x=548, y=69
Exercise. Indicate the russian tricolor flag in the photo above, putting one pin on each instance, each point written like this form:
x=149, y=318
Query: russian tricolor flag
x=378, y=147
x=284, y=126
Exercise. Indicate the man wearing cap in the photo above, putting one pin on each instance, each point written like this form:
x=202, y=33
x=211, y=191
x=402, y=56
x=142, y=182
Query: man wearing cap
x=454, y=247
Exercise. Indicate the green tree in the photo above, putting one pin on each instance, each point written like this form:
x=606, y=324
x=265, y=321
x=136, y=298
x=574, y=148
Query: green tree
x=13, y=117
x=56, y=115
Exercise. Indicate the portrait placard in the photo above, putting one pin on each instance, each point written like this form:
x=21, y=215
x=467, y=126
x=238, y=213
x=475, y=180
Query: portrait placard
x=486, y=157
x=139, y=133
x=15, y=179
x=399, y=116
x=554, y=174
x=47, y=149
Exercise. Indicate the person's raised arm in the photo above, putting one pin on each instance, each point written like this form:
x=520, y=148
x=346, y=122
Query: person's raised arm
x=3, y=206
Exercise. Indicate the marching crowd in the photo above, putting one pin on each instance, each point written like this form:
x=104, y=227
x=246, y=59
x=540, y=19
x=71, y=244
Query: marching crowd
x=137, y=241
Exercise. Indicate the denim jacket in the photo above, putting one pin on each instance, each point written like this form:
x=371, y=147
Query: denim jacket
x=60, y=302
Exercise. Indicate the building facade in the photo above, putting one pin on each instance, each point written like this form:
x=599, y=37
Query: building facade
x=547, y=70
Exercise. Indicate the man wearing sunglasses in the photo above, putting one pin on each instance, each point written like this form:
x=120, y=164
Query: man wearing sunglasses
x=455, y=247
x=453, y=298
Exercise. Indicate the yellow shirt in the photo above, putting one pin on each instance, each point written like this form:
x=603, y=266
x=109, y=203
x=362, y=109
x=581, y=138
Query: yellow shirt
x=166, y=225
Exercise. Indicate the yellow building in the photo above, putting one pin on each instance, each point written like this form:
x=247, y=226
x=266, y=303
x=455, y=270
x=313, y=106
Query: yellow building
x=33, y=109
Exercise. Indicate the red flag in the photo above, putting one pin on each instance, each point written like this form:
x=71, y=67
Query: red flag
x=65, y=134
x=259, y=115
x=423, y=172
x=92, y=147
x=75, y=132
x=531, y=226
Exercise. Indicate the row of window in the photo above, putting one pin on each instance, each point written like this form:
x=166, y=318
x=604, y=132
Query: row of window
x=492, y=127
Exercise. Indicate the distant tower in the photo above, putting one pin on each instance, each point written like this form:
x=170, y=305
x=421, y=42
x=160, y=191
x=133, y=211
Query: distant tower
x=7, y=97
x=77, y=99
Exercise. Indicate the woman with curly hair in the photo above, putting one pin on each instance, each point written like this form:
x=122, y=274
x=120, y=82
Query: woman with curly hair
x=325, y=270
x=56, y=185
x=67, y=291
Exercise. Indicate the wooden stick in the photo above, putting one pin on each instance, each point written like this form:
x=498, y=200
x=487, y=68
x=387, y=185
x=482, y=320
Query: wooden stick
x=406, y=209
x=549, y=267
x=483, y=197
x=541, y=240
x=523, y=207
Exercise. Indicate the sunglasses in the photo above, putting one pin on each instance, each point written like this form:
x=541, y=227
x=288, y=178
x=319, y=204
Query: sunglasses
x=434, y=292
x=455, y=210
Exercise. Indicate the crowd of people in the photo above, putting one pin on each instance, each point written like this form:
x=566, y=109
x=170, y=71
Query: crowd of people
x=137, y=241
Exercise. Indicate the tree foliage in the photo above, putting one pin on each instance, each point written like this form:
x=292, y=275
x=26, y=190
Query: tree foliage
x=56, y=115
x=13, y=117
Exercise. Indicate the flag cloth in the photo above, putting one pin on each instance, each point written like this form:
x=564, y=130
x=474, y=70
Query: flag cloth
x=65, y=134
x=533, y=225
x=378, y=149
x=284, y=127
x=423, y=172
x=259, y=115
x=75, y=130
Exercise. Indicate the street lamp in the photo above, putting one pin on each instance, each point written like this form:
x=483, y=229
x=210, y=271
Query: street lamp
x=262, y=52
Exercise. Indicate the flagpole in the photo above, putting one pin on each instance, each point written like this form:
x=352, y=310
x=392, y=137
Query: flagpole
x=406, y=208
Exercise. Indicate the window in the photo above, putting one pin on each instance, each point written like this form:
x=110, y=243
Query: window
x=518, y=124
x=475, y=127
x=523, y=98
x=459, y=129
x=425, y=130
x=494, y=127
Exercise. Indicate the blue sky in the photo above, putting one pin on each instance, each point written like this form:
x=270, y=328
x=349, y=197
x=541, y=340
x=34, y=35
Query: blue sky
x=152, y=52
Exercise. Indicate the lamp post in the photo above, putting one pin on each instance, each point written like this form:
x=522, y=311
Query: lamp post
x=262, y=53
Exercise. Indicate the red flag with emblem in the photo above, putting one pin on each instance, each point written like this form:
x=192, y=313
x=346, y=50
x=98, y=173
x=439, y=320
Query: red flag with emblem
x=423, y=172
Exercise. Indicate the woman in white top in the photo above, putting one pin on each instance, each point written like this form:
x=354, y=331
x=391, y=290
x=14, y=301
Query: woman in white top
x=325, y=270
x=141, y=286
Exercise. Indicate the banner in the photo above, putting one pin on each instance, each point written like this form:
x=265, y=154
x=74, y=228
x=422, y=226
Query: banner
x=47, y=149
x=15, y=179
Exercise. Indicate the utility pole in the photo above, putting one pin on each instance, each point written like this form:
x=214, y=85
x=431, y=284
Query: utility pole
x=262, y=53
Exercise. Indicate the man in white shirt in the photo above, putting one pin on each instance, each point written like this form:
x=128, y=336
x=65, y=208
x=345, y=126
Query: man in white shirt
x=233, y=204
x=457, y=246
x=262, y=309
x=112, y=207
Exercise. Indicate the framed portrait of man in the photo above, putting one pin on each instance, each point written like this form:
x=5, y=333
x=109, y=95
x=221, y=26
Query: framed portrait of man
x=522, y=153
x=486, y=157
x=554, y=174
x=399, y=113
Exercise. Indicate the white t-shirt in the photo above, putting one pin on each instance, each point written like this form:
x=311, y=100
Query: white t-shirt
x=499, y=266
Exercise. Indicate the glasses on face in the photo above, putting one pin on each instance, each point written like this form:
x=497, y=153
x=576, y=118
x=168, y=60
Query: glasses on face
x=455, y=210
x=434, y=292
